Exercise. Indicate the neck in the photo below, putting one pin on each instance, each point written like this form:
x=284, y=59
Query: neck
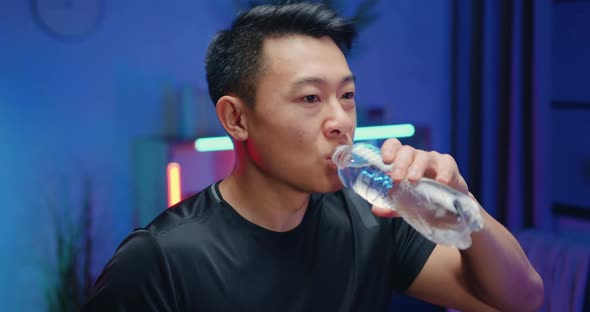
x=263, y=200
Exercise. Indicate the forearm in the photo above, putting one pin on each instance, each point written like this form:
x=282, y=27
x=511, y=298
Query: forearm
x=499, y=271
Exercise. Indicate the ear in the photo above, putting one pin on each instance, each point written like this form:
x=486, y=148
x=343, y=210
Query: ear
x=231, y=111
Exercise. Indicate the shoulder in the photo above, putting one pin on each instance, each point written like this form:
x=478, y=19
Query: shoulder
x=142, y=267
x=175, y=229
x=194, y=210
x=137, y=271
x=146, y=249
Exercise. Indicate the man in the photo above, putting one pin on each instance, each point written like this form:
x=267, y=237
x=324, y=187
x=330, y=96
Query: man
x=280, y=233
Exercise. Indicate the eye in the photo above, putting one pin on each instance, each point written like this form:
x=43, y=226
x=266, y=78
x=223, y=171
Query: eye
x=348, y=95
x=311, y=98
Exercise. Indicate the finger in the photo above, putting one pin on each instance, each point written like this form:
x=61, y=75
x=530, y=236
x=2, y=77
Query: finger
x=403, y=159
x=389, y=149
x=447, y=170
x=423, y=161
x=384, y=212
x=448, y=173
x=461, y=185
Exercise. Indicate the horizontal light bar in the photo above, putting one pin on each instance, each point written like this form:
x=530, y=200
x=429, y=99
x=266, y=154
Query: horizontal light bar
x=224, y=143
x=212, y=144
x=384, y=132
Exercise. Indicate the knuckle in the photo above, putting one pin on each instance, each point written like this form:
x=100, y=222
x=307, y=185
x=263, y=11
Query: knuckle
x=393, y=142
x=424, y=158
x=433, y=154
x=448, y=158
x=444, y=177
x=406, y=149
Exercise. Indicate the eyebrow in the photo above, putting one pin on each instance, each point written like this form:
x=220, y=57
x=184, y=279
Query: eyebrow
x=318, y=81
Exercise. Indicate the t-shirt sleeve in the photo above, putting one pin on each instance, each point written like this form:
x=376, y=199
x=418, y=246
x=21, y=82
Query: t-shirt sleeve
x=411, y=250
x=137, y=278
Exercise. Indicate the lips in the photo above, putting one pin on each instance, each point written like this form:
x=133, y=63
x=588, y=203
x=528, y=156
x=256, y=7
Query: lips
x=331, y=164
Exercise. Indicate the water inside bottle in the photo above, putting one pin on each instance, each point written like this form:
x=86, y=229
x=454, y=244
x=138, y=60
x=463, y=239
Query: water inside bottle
x=437, y=211
x=370, y=183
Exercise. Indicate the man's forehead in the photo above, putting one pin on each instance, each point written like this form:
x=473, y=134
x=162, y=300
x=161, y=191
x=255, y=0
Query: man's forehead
x=280, y=45
x=303, y=55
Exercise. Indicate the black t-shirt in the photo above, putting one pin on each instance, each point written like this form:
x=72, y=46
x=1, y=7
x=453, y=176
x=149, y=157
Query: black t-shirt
x=201, y=255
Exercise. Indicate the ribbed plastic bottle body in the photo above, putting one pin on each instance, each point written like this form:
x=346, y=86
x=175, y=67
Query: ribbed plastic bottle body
x=370, y=182
x=438, y=212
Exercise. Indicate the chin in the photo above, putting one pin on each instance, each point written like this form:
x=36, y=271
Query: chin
x=328, y=182
x=331, y=186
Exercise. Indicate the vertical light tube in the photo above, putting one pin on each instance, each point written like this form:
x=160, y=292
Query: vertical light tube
x=174, y=185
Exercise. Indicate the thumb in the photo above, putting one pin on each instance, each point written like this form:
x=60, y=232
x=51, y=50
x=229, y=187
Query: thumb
x=384, y=212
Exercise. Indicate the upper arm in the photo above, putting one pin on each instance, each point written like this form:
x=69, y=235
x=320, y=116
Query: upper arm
x=442, y=281
x=137, y=278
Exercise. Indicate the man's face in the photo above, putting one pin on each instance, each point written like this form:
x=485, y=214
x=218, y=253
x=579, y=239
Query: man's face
x=304, y=108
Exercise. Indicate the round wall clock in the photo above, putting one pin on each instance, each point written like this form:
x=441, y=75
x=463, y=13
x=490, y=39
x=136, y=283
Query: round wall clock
x=68, y=19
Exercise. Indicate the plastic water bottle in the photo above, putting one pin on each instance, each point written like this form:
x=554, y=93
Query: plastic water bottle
x=440, y=213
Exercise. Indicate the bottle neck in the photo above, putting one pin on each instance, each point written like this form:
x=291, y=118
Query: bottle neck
x=342, y=156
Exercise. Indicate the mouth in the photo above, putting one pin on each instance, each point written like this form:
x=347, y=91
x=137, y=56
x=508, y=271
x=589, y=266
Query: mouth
x=329, y=156
x=331, y=163
x=336, y=147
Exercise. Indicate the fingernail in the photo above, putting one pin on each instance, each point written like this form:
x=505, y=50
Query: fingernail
x=413, y=174
x=397, y=173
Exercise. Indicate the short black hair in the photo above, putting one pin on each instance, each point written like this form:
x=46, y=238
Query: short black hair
x=234, y=57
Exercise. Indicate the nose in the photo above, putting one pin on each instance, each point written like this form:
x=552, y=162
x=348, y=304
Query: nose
x=340, y=121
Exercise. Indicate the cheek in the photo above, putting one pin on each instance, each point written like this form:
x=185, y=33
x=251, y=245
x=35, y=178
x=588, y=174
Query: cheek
x=303, y=143
x=300, y=137
x=286, y=136
x=293, y=149
x=254, y=152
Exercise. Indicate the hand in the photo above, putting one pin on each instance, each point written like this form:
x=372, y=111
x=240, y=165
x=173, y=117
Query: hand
x=412, y=164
